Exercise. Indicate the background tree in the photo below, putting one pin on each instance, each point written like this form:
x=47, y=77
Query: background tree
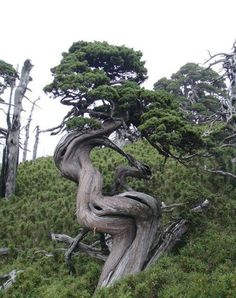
x=8, y=76
x=208, y=106
x=198, y=89
x=11, y=150
x=224, y=133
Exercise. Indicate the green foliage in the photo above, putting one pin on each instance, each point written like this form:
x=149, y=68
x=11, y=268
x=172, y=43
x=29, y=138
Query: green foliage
x=7, y=74
x=194, y=125
x=89, y=65
x=163, y=123
x=7, y=70
x=168, y=129
x=100, y=80
x=103, y=81
x=197, y=88
x=202, y=266
x=81, y=124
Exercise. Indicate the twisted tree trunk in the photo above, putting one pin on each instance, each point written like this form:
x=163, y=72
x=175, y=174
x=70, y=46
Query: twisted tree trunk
x=132, y=218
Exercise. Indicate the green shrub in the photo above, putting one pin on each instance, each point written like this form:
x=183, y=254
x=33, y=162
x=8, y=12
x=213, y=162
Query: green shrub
x=203, y=265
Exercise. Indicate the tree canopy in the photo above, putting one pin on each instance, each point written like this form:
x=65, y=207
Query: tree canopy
x=198, y=89
x=7, y=75
x=102, y=81
x=96, y=72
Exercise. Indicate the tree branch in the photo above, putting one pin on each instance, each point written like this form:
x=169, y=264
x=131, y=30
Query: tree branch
x=81, y=247
x=9, y=278
x=171, y=235
x=220, y=172
x=4, y=251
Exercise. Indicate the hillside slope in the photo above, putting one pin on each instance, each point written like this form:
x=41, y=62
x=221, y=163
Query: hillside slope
x=202, y=266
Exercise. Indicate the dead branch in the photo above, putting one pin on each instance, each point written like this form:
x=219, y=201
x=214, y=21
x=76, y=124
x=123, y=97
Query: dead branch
x=229, y=137
x=27, y=128
x=32, y=102
x=168, y=239
x=72, y=248
x=9, y=279
x=43, y=252
x=172, y=235
x=4, y=251
x=81, y=247
x=201, y=207
x=220, y=172
x=169, y=208
x=3, y=131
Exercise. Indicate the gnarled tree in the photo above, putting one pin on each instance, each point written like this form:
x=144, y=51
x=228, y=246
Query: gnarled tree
x=131, y=218
x=102, y=84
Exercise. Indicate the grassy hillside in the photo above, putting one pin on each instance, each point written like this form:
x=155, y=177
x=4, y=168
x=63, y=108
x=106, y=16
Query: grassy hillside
x=202, y=266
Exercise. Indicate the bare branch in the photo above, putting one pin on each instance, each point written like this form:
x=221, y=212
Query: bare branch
x=81, y=247
x=33, y=102
x=213, y=56
x=229, y=137
x=44, y=252
x=201, y=207
x=170, y=208
x=9, y=278
x=3, y=131
x=228, y=145
x=220, y=172
x=4, y=251
x=171, y=235
x=168, y=240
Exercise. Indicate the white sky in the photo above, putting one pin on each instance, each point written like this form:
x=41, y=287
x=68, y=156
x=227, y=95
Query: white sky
x=170, y=33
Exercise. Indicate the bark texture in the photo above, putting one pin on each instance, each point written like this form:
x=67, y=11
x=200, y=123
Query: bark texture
x=27, y=129
x=12, y=141
x=131, y=218
x=36, y=142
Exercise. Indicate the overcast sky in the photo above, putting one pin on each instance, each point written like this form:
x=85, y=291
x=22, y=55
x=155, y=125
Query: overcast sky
x=170, y=33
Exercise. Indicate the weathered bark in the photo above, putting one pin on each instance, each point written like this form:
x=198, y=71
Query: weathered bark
x=123, y=172
x=228, y=103
x=4, y=251
x=172, y=234
x=4, y=156
x=131, y=218
x=3, y=173
x=9, y=279
x=36, y=142
x=12, y=142
x=27, y=128
x=79, y=247
x=228, y=62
